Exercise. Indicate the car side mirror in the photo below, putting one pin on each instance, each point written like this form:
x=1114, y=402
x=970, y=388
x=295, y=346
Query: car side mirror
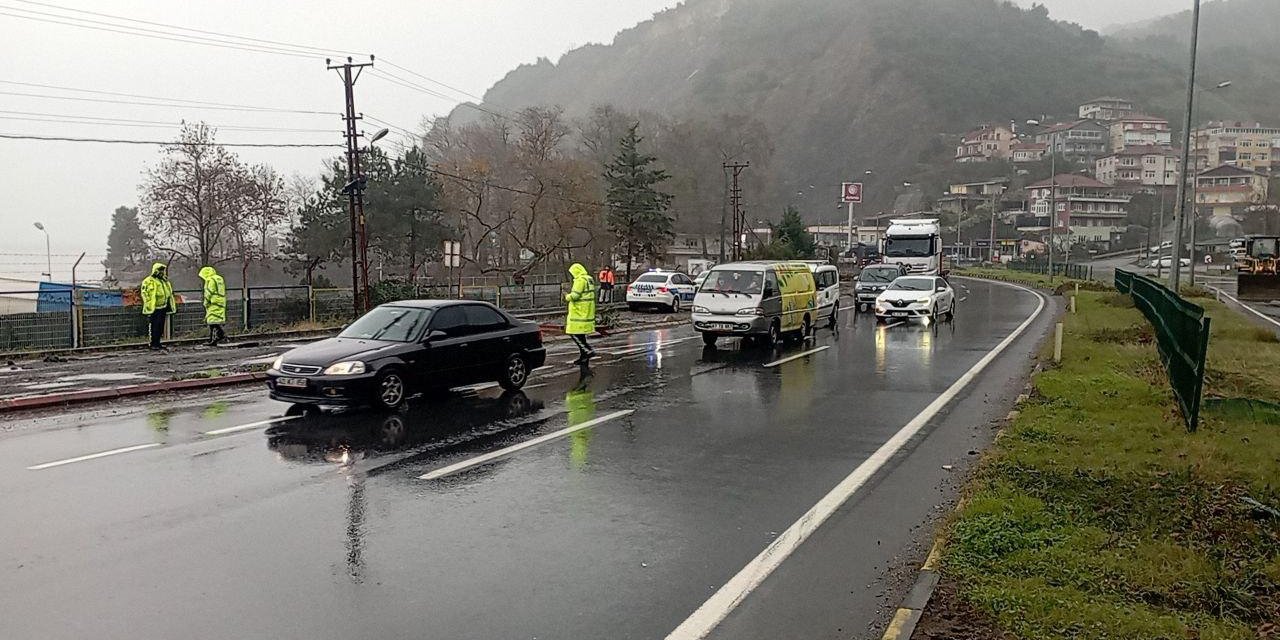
x=436, y=335
x=940, y=289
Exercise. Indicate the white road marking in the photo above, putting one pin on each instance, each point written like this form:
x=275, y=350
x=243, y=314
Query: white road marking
x=796, y=356
x=848, y=307
x=963, y=298
x=712, y=612
x=1247, y=307
x=251, y=425
x=93, y=456
x=479, y=460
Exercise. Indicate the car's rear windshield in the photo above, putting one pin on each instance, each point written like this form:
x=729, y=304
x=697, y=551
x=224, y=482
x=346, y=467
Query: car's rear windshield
x=881, y=274
x=734, y=281
x=912, y=284
x=393, y=324
x=652, y=277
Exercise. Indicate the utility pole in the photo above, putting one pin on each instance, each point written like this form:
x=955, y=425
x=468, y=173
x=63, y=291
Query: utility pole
x=996, y=192
x=1179, y=217
x=355, y=185
x=735, y=202
x=724, y=211
x=1053, y=201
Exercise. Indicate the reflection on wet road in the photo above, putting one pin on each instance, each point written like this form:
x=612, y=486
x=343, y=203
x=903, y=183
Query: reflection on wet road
x=608, y=501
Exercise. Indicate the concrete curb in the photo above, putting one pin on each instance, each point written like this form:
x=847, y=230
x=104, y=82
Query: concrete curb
x=90, y=395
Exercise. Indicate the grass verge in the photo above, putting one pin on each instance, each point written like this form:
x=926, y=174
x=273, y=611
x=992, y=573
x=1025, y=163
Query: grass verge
x=1098, y=516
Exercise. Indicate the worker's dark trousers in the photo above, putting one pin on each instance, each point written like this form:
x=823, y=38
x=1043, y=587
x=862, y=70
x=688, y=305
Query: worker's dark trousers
x=216, y=334
x=156, y=330
x=584, y=349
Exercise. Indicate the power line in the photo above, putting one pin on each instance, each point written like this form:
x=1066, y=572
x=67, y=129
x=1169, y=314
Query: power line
x=123, y=122
x=144, y=104
x=244, y=107
x=409, y=84
x=17, y=136
x=138, y=31
x=431, y=80
x=191, y=29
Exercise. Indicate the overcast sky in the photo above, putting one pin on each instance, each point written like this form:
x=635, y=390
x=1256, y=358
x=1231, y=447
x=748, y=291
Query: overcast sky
x=468, y=44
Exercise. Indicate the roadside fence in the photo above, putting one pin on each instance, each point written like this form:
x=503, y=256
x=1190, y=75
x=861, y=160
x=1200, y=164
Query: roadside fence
x=1074, y=271
x=1182, y=338
x=36, y=320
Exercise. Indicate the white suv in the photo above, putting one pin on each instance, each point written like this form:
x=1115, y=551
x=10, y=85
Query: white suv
x=662, y=289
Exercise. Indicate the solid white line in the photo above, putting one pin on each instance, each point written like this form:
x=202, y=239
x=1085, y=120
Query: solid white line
x=728, y=597
x=1247, y=307
x=479, y=460
x=93, y=456
x=797, y=356
x=251, y=425
x=848, y=307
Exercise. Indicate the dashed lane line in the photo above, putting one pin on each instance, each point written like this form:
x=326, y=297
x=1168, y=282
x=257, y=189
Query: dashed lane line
x=252, y=425
x=479, y=460
x=797, y=356
x=93, y=456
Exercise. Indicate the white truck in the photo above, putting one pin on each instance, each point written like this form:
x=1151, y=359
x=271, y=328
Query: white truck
x=916, y=245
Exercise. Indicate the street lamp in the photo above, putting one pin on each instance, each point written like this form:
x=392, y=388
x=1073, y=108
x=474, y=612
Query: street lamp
x=48, y=255
x=1195, y=209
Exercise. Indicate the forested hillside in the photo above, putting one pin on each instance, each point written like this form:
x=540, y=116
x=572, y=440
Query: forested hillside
x=842, y=86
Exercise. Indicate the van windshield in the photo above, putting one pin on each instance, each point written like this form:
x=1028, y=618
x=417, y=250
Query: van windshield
x=879, y=274
x=734, y=281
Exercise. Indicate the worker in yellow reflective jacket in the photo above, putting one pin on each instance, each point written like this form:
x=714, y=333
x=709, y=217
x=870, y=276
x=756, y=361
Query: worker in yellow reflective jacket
x=581, y=320
x=215, y=304
x=157, y=302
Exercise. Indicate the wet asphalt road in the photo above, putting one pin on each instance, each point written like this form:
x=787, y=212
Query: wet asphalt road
x=233, y=519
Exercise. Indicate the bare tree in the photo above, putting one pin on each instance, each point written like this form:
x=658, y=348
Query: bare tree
x=190, y=202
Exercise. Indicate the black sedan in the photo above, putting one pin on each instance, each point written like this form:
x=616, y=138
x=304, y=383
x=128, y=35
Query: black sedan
x=403, y=348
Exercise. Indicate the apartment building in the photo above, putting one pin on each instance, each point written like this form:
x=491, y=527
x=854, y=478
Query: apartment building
x=1228, y=189
x=1028, y=152
x=1093, y=210
x=1106, y=109
x=1140, y=130
x=1140, y=167
x=1250, y=147
x=986, y=143
x=1080, y=141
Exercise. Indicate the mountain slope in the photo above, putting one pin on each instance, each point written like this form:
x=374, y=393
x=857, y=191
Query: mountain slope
x=850, y=85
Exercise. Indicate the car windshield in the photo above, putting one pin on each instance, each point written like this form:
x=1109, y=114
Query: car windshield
x=652, y=277
x=908, y=247
x=734, y=281
x=393, y=324
x=912, y=284
x=878, y=275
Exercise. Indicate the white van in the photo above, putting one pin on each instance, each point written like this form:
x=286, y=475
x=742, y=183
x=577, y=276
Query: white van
x=762, y=299
x=827, y=279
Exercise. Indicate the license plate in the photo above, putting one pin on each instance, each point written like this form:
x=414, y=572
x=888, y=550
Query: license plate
x=293, y=383
x=901, y=313
x=723, y=326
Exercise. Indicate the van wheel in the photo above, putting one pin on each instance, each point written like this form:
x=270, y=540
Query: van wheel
x=806, y=329
x=515, y=372
x=709, y=339
x=835, y=316
x=390, y=389
x=775, y=334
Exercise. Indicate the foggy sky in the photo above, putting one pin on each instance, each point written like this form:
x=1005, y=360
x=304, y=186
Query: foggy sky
x=470, y=44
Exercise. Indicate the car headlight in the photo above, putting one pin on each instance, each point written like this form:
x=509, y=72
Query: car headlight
x=923, y=301
x=345, y=369
x=697, y=309
x=278, y=363
x=751, y=311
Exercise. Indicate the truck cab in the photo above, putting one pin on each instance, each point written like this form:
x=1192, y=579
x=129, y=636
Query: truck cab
x=916, y=245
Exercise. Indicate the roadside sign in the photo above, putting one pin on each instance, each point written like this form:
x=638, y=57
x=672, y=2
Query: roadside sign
x=452, y=253
x=851, y=192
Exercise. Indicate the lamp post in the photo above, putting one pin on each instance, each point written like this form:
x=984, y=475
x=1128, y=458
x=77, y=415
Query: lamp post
x=1053, y=195
x=1195, y=183
x=1175, y=265
x=48, y=254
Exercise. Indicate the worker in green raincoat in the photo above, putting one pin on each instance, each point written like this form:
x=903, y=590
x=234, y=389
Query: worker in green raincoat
x=157, y=302
x=215, y=304
x=582, y=311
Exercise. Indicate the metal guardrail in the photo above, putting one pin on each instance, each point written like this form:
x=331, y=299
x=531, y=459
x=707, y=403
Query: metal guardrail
x=1074, y=271
x=1182, y=338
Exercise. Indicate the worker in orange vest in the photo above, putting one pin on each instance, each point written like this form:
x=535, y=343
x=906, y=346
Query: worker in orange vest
x=606, y=279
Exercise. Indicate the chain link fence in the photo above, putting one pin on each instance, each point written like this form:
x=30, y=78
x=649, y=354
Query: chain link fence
x=35, y=320
x=1074, y=271
x=1182, y=338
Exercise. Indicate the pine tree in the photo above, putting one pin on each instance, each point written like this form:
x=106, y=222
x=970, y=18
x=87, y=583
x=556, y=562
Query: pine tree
x=637, y=213
x=126, y=243
x=792, y=233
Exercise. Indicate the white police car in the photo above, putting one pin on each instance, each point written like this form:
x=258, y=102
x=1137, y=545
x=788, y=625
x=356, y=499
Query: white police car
x=662, y=289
